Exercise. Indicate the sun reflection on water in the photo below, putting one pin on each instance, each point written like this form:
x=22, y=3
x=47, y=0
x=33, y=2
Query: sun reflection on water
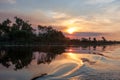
x=76, y=60
x=75, y=57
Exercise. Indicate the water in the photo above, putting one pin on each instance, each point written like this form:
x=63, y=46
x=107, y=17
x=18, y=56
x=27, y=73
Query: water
x=60, y=63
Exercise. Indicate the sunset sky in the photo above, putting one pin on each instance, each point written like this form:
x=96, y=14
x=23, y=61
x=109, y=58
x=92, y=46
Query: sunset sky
x=76, y=18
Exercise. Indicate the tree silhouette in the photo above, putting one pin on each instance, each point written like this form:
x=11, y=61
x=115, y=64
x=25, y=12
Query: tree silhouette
x=20, y=31
x=104, y=39
x=50, y=35
x=94, y=40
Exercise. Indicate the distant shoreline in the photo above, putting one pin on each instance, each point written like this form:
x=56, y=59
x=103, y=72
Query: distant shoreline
x=79, y=44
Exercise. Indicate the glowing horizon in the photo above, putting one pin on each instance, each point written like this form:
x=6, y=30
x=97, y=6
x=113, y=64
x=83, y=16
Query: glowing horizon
x=68, y=16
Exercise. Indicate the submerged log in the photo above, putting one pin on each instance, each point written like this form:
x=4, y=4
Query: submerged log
x=39, y=76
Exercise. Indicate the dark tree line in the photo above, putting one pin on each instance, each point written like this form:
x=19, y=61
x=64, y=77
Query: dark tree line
x=92, y=41
x=21, y=32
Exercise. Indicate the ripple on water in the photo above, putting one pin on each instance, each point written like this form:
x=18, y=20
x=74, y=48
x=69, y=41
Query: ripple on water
x=104, y=68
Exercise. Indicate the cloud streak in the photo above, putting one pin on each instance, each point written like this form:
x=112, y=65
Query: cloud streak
x=99, y=1
x=8, y=1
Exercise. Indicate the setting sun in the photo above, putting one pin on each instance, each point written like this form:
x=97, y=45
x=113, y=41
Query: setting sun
x=71, y=30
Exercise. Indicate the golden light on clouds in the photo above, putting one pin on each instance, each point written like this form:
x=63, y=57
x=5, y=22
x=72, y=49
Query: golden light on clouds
x=69, y=23
x=71, y=26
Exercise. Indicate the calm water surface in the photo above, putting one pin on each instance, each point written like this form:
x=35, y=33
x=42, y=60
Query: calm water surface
x=60, y=63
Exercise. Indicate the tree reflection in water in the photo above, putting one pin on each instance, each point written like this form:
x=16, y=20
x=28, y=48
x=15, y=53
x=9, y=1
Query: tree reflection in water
x=21, y=57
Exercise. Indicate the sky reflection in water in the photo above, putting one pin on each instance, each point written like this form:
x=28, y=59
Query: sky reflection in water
x=63, y=63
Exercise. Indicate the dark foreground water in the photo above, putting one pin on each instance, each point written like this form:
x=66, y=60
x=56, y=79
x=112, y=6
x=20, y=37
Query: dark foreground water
x=60, y=63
